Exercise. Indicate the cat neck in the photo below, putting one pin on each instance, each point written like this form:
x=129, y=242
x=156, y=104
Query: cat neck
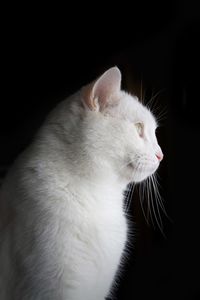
x=80, y=166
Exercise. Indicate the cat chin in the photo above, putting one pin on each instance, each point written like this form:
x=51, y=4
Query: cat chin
x=130, y=178
x=137, y=178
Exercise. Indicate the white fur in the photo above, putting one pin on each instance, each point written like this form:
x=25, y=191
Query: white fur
x=63, y=229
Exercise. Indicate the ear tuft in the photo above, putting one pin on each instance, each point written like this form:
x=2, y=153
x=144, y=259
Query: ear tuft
x=97, y=94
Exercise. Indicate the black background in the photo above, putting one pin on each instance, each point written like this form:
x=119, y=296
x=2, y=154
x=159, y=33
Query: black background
x=50, y=52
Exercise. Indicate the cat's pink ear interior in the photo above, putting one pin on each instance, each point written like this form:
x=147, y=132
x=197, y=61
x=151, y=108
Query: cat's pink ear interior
x=96, y=94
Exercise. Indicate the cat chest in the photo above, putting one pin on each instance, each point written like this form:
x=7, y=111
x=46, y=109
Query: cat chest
x=109, y=244
x=107, y=236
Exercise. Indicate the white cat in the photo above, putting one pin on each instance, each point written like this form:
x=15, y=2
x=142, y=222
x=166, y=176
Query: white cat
x=62, y=225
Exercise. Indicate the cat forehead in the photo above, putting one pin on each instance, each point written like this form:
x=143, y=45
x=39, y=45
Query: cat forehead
x=130, y=108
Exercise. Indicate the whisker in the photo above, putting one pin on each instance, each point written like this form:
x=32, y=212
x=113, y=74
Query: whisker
x=131, y=191
x=156, y=199
x=145, y=191
x=162, y=115
x=141, y=198
x=158, y=219
x=130, y=198
x=148, y=190
x=151, y=103
x=159, y=198
x=149, y=202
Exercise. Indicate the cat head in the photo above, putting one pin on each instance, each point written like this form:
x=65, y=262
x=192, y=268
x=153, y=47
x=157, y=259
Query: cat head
x=119, y=129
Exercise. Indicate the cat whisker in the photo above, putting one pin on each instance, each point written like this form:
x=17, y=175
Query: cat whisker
x=156, y=214
x=131, y=191
x=129, y=198
x=148, y=190
x=141, y=197
x=156, y=193
x=162, y=115
x=126, y=199
x=159, y=198
x=152, y=102
x=150, y=202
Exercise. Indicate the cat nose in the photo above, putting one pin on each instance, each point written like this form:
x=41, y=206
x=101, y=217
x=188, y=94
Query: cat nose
x=159, y=155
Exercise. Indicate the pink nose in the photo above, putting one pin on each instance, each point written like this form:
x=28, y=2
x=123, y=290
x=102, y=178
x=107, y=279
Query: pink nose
x=159, y=155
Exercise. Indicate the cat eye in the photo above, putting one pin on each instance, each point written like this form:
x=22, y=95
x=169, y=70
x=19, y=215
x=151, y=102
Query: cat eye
x=139, y=127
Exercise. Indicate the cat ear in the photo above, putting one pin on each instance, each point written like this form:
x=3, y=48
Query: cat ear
x=96, y=94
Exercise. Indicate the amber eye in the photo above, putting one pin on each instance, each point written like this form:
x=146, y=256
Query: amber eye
x=139, y=126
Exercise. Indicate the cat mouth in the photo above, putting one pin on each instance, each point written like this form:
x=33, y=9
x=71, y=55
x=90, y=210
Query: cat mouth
x=131, y=165
x=136, y=165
